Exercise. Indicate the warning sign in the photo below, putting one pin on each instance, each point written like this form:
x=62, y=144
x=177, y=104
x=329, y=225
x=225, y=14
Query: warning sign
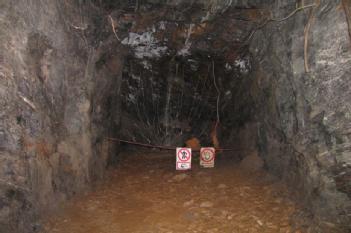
x=183, y=158
x=207, y=156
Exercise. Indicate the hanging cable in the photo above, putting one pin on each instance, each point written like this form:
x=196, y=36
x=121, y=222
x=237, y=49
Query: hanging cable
x=218, y=92
x=162, y=147
x=218, y=99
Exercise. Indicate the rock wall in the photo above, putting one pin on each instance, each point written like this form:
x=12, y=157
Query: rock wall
x=300, y=121
x=57, y=99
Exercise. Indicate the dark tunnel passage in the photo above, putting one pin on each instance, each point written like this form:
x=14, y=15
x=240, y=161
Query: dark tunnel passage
x=267, y=81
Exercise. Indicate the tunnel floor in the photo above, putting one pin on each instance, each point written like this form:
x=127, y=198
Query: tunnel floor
x=145, y=194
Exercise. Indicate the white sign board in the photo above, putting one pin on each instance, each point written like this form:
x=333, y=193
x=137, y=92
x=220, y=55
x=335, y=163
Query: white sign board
x=207, y=156
x=183, y=158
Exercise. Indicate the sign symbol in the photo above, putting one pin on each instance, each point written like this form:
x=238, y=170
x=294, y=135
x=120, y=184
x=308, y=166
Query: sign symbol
x=183, y=157
x=207, y=156
x=184, y=154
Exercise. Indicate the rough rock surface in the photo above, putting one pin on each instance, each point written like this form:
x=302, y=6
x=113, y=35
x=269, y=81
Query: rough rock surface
x=301, y=121
x=56, y=105
x=74, y=72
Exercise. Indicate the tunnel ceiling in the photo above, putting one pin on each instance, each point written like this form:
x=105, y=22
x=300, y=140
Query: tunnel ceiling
x=186, y=28
x=214, y=5
x=176, y=54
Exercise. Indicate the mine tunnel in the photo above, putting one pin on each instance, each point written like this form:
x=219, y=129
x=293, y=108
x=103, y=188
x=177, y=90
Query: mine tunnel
x=97, y=95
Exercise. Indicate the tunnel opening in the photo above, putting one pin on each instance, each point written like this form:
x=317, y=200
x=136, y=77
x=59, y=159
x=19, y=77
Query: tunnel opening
x=86, y=85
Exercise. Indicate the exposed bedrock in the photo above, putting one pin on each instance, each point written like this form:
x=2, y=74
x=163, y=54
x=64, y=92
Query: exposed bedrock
x=56, y=106
x=73, y=73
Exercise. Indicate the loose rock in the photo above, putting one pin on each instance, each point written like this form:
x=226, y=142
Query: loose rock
x=206, y=204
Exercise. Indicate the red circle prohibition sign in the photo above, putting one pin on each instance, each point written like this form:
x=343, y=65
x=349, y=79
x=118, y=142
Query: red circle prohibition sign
x=210, y=151
x=184, y=157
